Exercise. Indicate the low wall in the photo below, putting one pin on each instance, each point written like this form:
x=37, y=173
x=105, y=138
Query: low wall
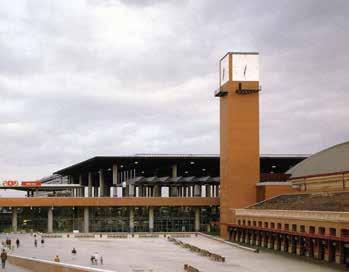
x=38, y=265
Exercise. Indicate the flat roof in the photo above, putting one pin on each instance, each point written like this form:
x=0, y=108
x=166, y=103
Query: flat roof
x=157, y=160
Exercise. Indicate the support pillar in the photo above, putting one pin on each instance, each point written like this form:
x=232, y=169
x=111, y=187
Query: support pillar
x=115, y=174
x=174, y=170
x=50, y=220
x=89, y=184
x=81, y=190
x=151, y=219
x=316, y=249
x=298, y=246
x=339, y=253
x=327, y=249
x=283, y=242
x=86, y=227
x=270, y=242
x=14, y=219
x=197, y=219
x=101, y=183
x=132, y=219
x=290, y=246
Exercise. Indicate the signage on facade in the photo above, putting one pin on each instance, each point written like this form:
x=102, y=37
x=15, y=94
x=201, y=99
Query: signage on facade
x=15, y=183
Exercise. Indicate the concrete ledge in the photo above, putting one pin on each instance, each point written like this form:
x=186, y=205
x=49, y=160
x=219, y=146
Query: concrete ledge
x=38, y=265
x=121, y=235
x=190, y=268
x=201, y=251
x=229, y=243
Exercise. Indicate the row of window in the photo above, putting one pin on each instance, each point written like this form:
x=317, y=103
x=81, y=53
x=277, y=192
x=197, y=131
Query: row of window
x=292, y=227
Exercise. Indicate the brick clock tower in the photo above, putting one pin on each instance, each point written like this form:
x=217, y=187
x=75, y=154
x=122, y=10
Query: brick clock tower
x=239, y=133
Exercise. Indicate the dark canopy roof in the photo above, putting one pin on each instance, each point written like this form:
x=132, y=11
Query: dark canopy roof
x=277, y=163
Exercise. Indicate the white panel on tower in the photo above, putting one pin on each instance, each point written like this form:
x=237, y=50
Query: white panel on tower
x=224, y=70
x=245, y=67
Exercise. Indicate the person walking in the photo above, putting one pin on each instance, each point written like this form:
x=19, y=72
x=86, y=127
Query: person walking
x=17, y=243
x=101, y=260
x=96, y=258
x=36, y=242
x=3, y=257
x=42, y=242
x=73, y=251
x=56, y=259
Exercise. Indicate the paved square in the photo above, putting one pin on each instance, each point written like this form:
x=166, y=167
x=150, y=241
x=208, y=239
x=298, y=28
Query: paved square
x=160, y=255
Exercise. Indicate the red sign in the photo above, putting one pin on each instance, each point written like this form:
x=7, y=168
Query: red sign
x=10, y=183
x=31, y=183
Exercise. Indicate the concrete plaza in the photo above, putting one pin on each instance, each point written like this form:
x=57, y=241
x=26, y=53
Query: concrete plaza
x=158, y=255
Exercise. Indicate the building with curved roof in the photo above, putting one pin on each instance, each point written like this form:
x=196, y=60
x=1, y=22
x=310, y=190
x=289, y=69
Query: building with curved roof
x=334, y=159
x=327, y=170
x=313, y=222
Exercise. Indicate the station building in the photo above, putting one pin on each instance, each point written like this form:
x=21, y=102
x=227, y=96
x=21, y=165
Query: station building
x=140, y=193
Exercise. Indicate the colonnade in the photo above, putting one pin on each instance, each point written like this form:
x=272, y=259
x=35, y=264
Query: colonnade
x=330, y=250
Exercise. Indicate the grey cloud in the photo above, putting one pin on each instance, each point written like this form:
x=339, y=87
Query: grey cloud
x=107, y=77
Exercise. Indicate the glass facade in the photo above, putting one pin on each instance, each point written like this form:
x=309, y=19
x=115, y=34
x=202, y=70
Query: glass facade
x=207, y=216
x=141, y=219
x=67, y=219
x=32, y=219
x=174, y=219
x=5, y=220
x=109, y=219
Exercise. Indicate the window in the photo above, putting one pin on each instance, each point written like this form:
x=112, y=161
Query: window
x=321, y=230
x=332, y=231
x=294, y=227
x=272, y=225
x=287, y=226
x=266, y=224
x=279, y=225
x=311, y=229
x=302, y=228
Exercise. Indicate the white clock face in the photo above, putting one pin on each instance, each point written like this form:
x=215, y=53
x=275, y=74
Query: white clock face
x=224, y=74
x=245, y=67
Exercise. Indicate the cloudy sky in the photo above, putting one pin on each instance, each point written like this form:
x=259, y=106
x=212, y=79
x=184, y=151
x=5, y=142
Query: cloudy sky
x=86, y=78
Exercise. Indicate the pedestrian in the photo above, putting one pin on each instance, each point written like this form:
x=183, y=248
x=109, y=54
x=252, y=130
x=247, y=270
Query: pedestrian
x=92, y=259
x=73, y=251
x=36, y=242
x=42, y=242
x=17, y=243
x=57, y=260
x=96, y=258
x=101, y=260
x=3, y=257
